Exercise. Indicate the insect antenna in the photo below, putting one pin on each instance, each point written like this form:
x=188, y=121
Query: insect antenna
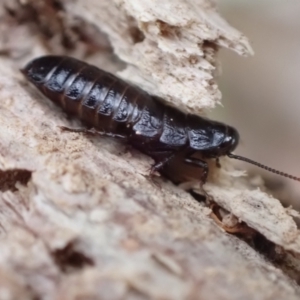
x=263, y=166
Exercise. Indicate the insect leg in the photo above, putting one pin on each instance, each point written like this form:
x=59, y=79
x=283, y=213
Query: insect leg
x=199, y=164
x=161, y=158
x=160, y=164
x=92, y=131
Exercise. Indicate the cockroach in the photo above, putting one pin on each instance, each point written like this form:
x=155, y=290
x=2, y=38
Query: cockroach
x=115, y=108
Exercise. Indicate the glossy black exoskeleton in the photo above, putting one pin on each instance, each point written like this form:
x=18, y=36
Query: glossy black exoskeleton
x=118, y=109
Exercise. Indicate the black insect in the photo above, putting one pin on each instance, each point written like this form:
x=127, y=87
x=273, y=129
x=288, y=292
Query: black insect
x=116, y=108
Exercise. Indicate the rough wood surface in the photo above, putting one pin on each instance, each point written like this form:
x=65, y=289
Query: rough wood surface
x=79, y=217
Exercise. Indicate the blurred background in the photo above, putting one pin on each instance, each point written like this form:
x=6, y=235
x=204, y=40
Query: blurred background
x=261, y=94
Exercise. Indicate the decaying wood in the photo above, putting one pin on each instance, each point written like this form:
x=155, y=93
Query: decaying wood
x=80, y=218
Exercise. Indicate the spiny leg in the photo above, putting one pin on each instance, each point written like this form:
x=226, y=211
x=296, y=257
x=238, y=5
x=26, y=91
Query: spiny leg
x=92, y=131
x=160, y=164
x=196, y=162
x=203, y=165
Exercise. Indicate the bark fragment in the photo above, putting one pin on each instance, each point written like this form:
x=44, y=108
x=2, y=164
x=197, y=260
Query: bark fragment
x=89, y=223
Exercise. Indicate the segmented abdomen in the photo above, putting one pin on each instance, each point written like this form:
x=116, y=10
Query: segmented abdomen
x=98, y=98
x=107, y=103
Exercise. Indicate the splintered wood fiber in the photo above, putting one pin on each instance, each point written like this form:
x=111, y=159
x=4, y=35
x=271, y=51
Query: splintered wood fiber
x=79, y=216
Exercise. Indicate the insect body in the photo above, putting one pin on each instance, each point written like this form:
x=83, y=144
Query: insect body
x=116, y=108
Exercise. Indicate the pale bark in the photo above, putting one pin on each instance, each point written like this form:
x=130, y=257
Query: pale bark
x=80, y=218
